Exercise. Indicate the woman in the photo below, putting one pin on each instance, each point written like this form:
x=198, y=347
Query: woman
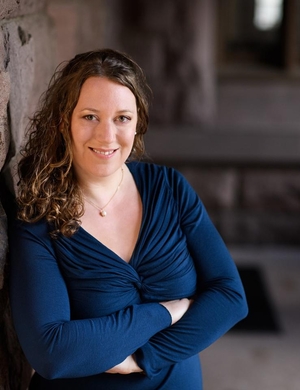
x=118, y=277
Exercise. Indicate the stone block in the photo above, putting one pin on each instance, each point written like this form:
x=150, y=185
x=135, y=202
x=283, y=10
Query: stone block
x=273, y=189
x=7, y=7
x=29, y=63
x=30, y=67
x=4, y=131
x=14, y=8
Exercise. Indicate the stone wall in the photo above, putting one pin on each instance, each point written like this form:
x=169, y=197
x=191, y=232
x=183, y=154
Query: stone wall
x=25, y=67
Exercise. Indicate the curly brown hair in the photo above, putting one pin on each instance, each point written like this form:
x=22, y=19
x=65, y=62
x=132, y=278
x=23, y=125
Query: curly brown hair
x=48, y=187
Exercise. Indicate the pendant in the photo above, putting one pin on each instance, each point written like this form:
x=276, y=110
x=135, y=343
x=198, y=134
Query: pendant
x=102, y=213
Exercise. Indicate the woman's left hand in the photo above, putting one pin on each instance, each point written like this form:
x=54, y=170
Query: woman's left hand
x=127, y=366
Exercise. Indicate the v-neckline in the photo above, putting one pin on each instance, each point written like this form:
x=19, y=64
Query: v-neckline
x=137, y=184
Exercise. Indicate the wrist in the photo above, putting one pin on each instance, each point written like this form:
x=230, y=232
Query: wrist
x=134, y=366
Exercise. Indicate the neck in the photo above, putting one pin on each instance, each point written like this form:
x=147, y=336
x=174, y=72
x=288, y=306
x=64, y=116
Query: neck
x=101, y=194
x=98, y=187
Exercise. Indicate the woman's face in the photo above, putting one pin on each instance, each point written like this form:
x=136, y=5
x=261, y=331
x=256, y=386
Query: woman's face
x=103, y=126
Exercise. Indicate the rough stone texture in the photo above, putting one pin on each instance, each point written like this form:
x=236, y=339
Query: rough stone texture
x=4, y=131
x=28, y=42
x=30, y=46
x=26, y=66
x=4, y=98
x=13, y=8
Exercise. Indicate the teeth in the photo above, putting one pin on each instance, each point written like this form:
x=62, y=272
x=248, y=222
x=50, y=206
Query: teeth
x=103, y=153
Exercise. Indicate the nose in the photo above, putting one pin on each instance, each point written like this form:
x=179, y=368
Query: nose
x=105, y=131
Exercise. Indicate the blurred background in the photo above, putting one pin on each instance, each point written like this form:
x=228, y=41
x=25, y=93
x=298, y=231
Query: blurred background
x=226, y=82
x=225, y=76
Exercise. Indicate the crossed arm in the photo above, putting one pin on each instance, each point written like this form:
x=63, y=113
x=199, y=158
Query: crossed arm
x=177, y=309
x=55, y=345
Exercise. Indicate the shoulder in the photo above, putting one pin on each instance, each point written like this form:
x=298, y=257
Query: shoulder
x=39, y=227
x=163, y=182
x=154, y=172
x=35, y=232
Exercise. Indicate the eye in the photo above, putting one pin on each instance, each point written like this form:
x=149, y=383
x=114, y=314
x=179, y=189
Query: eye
x=124, y=119
x=90, y=117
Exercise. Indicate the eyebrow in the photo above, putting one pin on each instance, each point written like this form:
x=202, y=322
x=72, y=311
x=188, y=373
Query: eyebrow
x=96, y=111
x=89, y=109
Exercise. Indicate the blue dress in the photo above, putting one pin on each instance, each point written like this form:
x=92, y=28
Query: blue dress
x=79, y=309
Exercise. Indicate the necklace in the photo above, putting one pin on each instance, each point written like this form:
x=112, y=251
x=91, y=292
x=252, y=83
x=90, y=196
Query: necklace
x=102, y=211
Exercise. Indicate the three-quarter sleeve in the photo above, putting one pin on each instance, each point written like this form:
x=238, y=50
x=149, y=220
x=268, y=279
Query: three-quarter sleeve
x=220, y=300
x=55, y=345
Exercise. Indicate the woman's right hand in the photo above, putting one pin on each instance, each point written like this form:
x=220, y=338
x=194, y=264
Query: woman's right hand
x=177, y=308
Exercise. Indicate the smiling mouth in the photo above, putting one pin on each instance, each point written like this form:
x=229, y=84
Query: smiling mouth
x=107, y=153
